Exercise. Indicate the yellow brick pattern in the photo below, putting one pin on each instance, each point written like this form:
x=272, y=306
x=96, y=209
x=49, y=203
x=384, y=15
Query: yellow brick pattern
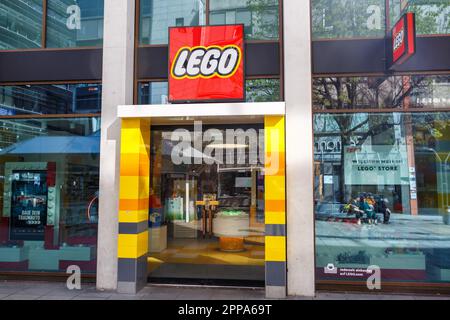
x=275, y=185
x=134, y=185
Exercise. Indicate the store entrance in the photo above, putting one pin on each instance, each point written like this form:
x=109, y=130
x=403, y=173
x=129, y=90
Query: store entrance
x=207, y=205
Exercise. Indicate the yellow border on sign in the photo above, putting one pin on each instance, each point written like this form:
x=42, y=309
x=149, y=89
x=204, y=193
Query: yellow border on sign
x=215, y=74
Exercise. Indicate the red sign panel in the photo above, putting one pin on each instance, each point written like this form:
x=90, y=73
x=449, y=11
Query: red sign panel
x=404, y=38
x=206, y=63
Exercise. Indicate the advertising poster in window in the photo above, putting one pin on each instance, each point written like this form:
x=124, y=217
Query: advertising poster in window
x=376, y=165
x=28, y=205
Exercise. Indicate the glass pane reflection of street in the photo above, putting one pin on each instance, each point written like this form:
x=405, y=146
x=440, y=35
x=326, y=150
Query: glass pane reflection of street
x=382, y=195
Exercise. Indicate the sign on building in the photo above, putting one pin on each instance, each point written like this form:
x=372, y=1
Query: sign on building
x=403, y=39
x=206, y=64
x=376, y=165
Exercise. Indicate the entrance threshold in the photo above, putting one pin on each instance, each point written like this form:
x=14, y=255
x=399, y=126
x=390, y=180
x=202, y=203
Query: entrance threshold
x=206, y=283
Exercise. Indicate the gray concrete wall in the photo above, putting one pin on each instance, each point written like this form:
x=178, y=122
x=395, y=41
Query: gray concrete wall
x=299, y=148
x=118, y=66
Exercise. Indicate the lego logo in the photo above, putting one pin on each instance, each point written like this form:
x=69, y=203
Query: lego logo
x=206, y=62
x=398, y=40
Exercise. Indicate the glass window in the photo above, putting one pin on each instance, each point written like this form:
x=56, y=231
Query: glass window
x=153, y=93
x=49, y=194
x=432, y=16
x=416, y=91
x=381, y=196
x=260, y=17
x=262, y=90
x=50, y=99
x=74, y=23
x=20, y=24
x=157, y=15
x=257, y=90
x=332, y=19
x=201, y=241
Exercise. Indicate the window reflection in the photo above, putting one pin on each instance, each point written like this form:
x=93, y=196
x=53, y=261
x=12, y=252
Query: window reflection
x=416, y=91
x=348, y=19
x=50, y=99
x=432, y=17
x=257, y=90
x=74, y=23
x=157, y=15
x=260, y=17
x=49, y=194
x=381, y=195
x=20, y=24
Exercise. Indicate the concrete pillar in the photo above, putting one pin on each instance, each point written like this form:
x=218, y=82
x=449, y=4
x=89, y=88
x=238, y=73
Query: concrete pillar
x=118, y=66
x=299, y=148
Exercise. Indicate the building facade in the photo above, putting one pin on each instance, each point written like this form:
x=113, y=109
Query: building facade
x=89, y=176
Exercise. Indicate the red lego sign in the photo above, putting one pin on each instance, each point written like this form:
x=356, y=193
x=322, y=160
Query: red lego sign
x=206, y=64
x=404, y=39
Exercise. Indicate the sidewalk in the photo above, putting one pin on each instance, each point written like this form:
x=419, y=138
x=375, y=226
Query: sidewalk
x=30, y=290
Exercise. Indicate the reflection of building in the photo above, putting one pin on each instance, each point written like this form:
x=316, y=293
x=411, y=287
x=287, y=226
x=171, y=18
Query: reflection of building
x=20, y=24
x=50, y=99
x=157, y=16
x=63, y=30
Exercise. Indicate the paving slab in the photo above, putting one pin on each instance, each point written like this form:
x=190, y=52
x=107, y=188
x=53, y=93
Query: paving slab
x=58, y=291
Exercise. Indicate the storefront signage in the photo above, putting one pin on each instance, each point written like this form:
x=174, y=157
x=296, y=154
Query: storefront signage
x=404, y=39
x=376, y=165
x=206, y=64
x=28, y=205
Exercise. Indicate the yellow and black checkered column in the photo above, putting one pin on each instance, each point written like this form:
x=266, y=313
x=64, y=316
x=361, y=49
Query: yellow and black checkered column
x=275, y=205
x=133, y=205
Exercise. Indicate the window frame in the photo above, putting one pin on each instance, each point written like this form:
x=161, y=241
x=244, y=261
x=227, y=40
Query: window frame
x=43, y=46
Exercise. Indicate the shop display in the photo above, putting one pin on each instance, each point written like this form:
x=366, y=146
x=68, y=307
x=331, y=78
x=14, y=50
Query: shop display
x=174, y=208
x=38, y=217
x=213, y=216
x=231, y=226
x=29, y=194
x=157, y=239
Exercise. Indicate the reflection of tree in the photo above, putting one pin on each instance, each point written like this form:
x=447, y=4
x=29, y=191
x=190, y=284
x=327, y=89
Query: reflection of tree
x=347, y=18
x=365, y=92
x=264, y=18
x=431, y=17
x=263, y=90
x=360, y=93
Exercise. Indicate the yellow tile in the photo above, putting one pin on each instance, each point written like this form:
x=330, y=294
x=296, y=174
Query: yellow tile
x=275, y=217
x=132, y=245
x=274, y=134
x=133, y=141
x=133, y=216
x=144, y=124
x=134, y=164
x=275, y=248
x=275, y=188
x=134, y=187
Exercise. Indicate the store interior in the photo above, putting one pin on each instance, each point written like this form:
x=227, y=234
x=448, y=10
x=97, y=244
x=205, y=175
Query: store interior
x=206, y=213
x=49, y=195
